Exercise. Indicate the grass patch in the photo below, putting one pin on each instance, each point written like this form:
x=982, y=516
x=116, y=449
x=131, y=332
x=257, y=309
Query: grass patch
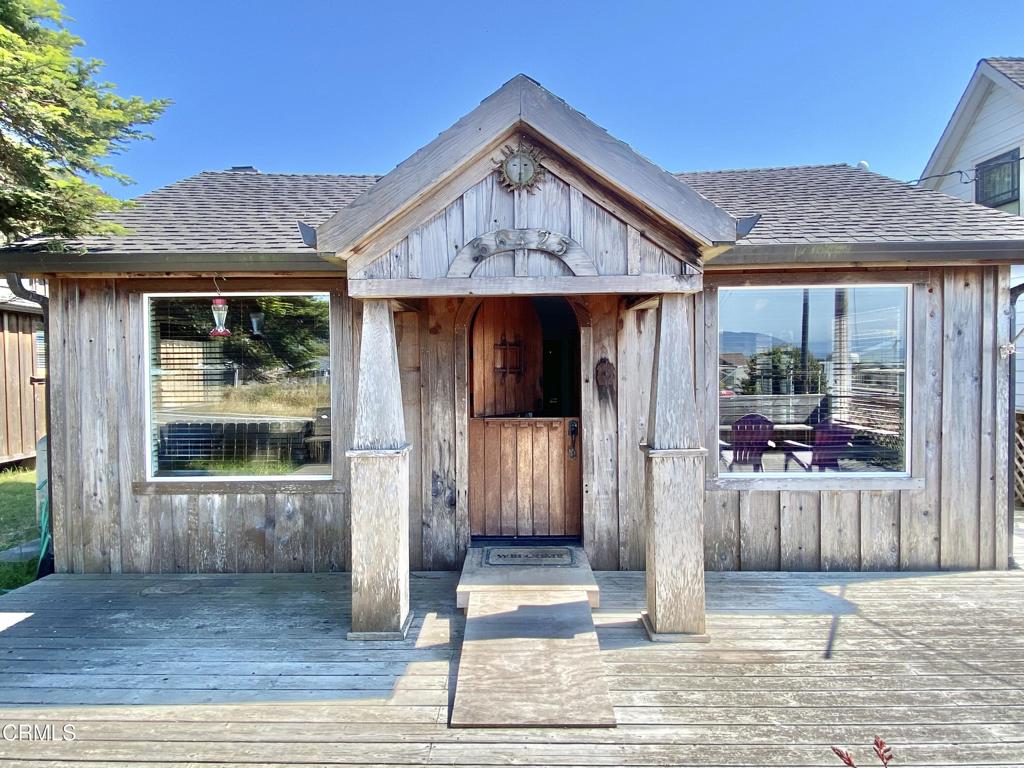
x=293, y=399
x=14, y=575
x=244, y=468
x=18, y=522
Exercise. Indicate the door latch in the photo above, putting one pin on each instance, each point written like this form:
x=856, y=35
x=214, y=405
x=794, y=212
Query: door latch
x=574, y=430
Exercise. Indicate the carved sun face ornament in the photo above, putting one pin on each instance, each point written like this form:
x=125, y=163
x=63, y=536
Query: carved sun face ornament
x=520, y=168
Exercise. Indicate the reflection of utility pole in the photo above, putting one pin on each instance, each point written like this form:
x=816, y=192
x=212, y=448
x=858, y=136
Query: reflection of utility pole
x=842, y=369
x=801, y=378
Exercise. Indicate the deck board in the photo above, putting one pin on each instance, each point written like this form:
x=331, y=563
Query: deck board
x=255, y=669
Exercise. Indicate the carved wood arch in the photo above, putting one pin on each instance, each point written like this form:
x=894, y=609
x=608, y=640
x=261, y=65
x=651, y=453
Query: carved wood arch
x=554, y=244
x=467, y=309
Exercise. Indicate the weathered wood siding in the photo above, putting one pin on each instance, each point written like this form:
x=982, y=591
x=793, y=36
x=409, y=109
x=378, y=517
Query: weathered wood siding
x=616, y=247
x=107, y=519
x=959, y=421
x=22, y=403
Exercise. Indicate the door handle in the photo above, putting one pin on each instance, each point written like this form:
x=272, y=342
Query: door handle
x=574, y=430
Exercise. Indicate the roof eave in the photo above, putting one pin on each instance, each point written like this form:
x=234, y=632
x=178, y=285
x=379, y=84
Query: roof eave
x=164, y=262
x=880, y=253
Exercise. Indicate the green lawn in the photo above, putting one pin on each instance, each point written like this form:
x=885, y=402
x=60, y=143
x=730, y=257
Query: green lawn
x=18, y=523
x=14, y=575
x=17, y=507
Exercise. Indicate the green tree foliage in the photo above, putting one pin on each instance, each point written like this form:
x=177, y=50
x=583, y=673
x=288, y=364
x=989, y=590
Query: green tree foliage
x=58, y=123
x=777, y=371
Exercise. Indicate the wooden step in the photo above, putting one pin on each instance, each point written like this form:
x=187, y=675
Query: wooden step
x=526, y=569
x=530, y=659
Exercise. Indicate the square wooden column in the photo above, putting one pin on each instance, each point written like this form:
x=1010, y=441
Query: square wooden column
x=379, y=486
x=674, y=486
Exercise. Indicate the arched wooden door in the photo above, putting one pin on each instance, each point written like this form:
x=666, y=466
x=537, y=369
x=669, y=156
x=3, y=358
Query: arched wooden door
x=525, y=439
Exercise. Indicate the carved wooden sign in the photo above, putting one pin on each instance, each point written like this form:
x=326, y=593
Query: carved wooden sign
x=489, y=244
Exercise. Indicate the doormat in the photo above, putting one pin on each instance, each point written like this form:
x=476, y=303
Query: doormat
x=529, y=556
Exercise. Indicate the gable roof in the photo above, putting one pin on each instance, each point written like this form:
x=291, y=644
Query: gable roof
x=801, y=208
x=522, y=104
x=990, y=73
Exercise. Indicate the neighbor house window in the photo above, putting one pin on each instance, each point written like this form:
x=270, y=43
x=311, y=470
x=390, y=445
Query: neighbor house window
x=997, y=182
x=239, y=386
x=813, y=379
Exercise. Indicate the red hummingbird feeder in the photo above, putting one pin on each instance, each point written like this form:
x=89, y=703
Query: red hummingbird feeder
x=220, y=315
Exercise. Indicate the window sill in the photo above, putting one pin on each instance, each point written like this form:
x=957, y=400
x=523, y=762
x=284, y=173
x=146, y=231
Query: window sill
x=812, y=482
x=214, y=486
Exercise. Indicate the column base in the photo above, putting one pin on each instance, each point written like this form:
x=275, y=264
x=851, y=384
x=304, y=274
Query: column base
x=400, y=634
x=670, y=637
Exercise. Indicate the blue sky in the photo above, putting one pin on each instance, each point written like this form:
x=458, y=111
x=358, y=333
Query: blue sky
x=339, y=87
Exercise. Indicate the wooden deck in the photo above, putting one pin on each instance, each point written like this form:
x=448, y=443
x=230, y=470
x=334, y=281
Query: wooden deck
x=256, y=669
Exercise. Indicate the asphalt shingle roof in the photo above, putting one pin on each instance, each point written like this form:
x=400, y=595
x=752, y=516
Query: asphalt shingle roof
x=1012, y=67
x=228, y=212
x=249, y=212
x=843, y=204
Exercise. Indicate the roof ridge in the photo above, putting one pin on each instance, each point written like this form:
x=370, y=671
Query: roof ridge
x=297, y=174
x=767, y=168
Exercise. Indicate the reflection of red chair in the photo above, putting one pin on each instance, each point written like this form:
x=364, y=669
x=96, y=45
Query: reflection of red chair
x=751, y=437
x=831, y=442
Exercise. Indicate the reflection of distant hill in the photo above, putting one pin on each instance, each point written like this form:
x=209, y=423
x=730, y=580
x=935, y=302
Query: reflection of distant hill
x=872, y=347
x=747, y=343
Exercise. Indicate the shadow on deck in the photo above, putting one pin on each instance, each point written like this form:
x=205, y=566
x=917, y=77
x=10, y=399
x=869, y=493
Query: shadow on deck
x=243, y=668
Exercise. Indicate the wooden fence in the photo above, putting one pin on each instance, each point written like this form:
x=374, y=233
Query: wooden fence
x=23, y=403
x=1018, y=460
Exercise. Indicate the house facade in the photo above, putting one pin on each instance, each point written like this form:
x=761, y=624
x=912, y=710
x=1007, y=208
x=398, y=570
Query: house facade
x=527, y=331
x=978, y=155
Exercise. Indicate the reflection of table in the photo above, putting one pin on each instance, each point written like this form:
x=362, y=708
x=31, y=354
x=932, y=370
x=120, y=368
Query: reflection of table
x=780, y=432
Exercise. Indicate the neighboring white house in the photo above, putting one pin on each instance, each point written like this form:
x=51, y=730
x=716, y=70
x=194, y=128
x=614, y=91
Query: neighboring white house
x=978, y=156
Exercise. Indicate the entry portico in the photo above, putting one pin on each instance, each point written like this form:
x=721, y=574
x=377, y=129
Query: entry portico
x=595, y=219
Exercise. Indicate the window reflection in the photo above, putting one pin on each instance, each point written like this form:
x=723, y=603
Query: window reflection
x=813, y=379
x=239, y=385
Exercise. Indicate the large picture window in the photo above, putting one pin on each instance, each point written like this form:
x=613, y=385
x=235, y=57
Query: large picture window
x=238, y=385
x=813, y=379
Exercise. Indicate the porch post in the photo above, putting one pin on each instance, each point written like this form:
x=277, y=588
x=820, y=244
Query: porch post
x=379, y=486
x=674, y=486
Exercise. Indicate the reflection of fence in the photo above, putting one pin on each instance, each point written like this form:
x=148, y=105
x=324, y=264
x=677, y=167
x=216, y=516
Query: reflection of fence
x=1018, y=459
x=191, y=372
x=187, y=445
x=780, y=409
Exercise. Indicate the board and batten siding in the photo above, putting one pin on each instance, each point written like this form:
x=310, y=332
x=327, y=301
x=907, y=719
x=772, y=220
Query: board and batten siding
x=107, y=519
x=616, y=247
x=958, y=438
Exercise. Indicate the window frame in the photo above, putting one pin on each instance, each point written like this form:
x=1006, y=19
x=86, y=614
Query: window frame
x=994, y=160
x=912, y=476
x=148, y=475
